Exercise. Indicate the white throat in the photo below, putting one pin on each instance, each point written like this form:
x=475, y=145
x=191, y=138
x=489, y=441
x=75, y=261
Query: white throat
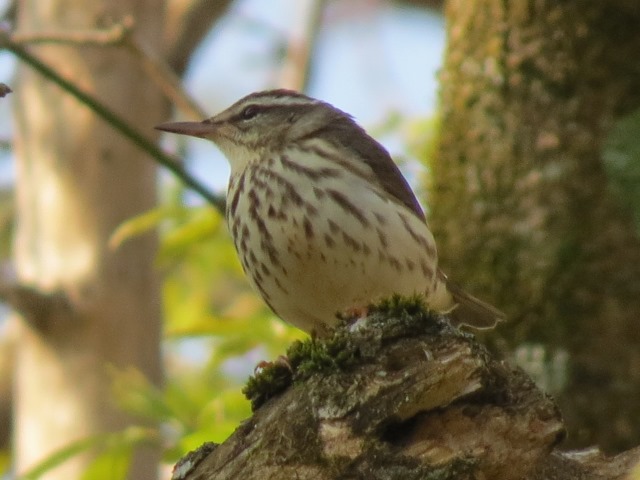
x=238, y=155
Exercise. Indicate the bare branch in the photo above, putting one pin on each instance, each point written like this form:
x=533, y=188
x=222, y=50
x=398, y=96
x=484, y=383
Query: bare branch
x=169, y=83
x=112, y=119
x=122, y=34
x=100, y=37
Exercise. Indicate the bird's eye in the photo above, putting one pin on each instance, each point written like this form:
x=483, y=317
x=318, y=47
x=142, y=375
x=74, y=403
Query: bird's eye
x=249, y=112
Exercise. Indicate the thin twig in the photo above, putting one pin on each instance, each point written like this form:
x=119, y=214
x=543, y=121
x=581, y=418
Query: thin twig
x=121, y=34
x=103, y=37
x=165, y=79
x=112, y=119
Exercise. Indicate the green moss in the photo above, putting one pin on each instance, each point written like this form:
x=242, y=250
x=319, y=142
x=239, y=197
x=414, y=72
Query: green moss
x=321, y=355
x=399, y=306
x=304, y=358
x=343, y=347
x=400, y=316
x=268, y=381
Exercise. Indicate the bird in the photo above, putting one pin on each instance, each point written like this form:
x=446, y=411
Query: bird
x=321, y=217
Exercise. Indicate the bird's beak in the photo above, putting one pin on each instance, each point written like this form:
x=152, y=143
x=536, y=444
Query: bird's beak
x=194, y=129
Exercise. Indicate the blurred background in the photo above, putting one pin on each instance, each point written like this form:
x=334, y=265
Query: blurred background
x=137, y=328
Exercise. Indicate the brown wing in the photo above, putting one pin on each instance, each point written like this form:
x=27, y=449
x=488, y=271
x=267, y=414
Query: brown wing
x=468, y=309
x=350, y=135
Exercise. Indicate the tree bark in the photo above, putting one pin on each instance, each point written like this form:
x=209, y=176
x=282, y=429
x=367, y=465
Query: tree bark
x=398, y=396
x=77, y=181
x=521, y=208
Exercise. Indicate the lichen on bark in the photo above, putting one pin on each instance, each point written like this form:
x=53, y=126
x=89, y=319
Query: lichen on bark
x=520, y=205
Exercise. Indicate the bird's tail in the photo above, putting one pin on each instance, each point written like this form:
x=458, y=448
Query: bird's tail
x=468, y=310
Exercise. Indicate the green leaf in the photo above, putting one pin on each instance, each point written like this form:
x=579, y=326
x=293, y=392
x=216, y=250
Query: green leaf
x=60, y=456
x=5, y=463
x=114, y=455
x=135, y=394
x=111, y=465
x=202, y=224
x=139, y=225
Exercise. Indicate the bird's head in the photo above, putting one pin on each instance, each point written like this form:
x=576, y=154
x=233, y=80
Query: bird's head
x=261, y=124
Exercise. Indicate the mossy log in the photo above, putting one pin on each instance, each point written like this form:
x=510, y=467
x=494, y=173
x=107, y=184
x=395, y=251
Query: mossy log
x=399, y=394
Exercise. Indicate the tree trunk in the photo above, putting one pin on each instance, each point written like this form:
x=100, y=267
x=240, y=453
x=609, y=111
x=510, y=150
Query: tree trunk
x=521, y=208
x=92, y=308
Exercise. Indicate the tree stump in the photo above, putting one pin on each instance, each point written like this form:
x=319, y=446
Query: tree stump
x=398, y=394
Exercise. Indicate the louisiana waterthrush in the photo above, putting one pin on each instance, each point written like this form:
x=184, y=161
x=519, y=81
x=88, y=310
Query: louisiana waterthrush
x=321, y=217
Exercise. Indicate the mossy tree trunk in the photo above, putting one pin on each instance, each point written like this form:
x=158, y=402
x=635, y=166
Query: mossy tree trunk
x=522, y=211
